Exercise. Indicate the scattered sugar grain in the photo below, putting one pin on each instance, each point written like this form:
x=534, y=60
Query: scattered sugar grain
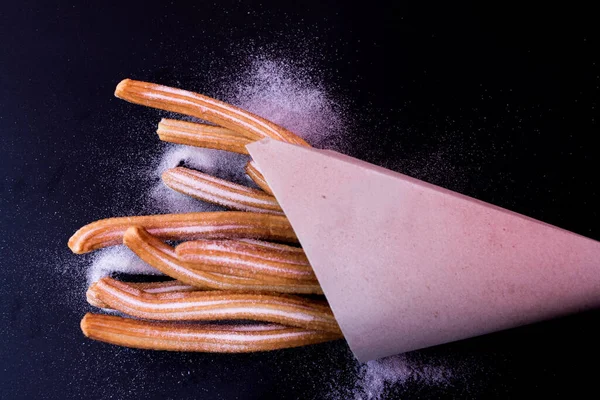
x=293, y=98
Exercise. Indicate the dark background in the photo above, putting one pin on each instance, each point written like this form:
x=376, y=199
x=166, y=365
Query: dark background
x=498, y=102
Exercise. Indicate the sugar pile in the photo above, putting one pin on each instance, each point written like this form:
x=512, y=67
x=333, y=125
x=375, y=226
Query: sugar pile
x=117, y=259
x=226, y=165
x=374, y=377
x=291, y=98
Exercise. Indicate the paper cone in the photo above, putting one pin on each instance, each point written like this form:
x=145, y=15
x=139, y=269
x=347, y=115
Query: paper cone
x=406, y=265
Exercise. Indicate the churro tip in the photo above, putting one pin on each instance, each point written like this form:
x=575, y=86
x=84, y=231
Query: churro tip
x=85, y=324
x=160, y=126
x=92, y=287
x=92, y=298
x=166, y=174
x=133, y=234
x=121, y=87
x=89, y=296
x=75, y=245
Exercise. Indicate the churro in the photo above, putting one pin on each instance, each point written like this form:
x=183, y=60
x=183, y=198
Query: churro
x=181, y=101
x=215, y=305
x=202, y=135
x=163, y=257
x=188, y=226
x=251, y=259
x=219, y=191
x=161, y=288
x=198, y=337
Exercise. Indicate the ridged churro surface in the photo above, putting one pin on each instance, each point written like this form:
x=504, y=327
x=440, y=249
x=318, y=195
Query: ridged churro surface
x=252, y=259
x=164, y=258
x=198, y=337
x=187, y=226
x=220, y=191
x=215, y=305
x=181, y=101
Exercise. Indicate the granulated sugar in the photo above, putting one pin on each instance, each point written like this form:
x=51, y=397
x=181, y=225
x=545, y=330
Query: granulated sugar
x=375, y=376
x=292, y=98
x=392, y=377
x=117, y=259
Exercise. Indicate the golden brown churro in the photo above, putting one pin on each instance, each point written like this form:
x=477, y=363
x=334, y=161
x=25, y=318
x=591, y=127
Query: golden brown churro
x=159, y=288
x=246, y=259
x=258, y=178
x=181, y=101
x=201, y=135
x=197, y=337
x=215, y=305
x=219, y=191
x=163, y=257
x=189, y=226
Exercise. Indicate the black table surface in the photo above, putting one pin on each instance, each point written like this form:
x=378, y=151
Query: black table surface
x=499, y=103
